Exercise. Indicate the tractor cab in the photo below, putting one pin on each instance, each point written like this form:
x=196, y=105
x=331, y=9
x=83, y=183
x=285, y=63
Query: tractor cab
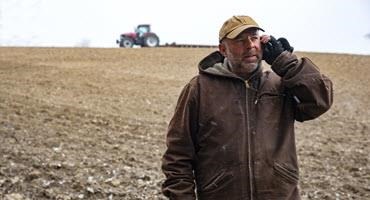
x=142, y=29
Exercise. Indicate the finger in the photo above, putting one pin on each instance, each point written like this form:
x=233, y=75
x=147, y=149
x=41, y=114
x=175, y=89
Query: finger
x=284, y=42
x=273, y=41
x=265, y=38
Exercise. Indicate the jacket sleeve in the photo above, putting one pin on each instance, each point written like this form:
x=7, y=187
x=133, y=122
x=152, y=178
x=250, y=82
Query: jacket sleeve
x=178, y=159
x=311, y=90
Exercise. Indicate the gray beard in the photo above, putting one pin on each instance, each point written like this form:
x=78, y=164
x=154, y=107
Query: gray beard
x=250, y=69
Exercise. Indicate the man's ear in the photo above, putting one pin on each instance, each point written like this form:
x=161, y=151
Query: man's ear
x=222, y=49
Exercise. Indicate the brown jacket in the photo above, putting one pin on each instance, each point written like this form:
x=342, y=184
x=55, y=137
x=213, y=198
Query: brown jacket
x=232, y=139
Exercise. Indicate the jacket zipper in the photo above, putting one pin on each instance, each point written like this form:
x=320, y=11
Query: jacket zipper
x=249, y=142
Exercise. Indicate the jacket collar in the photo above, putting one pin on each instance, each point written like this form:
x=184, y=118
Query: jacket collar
x=216, y=64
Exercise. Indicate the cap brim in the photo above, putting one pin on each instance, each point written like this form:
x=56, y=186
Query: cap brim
x=233, y=34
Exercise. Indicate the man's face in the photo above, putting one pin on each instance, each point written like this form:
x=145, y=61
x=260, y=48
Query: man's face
x=243, y=52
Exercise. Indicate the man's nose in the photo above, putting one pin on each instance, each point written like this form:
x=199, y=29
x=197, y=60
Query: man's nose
x=248, y=43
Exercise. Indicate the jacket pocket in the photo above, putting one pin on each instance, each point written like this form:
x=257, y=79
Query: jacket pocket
x=286, y=173
x=268, y=96
x=217, y=181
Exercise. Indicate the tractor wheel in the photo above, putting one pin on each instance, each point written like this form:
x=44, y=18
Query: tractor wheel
x=126, y=42
x=151, y=41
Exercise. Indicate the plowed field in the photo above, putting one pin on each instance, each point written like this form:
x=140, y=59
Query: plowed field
x=84, y=123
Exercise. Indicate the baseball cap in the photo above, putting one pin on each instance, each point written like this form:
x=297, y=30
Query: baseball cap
x=235, y=25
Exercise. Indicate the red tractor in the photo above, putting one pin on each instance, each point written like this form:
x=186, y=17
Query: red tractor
x=142, y=37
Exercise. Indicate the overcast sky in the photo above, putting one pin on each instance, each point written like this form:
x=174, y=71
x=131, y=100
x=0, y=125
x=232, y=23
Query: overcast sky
x=338, y=26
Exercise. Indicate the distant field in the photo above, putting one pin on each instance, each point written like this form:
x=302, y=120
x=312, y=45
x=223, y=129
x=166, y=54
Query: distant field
x=84, y=123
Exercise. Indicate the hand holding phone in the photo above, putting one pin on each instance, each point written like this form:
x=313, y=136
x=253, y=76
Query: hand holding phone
x=272, y=48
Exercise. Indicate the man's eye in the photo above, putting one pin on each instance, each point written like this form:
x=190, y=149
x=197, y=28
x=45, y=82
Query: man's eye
x=241, y=39
x=252, y=38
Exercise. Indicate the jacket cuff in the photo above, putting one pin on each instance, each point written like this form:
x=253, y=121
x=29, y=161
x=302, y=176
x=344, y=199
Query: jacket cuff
x=283, y=62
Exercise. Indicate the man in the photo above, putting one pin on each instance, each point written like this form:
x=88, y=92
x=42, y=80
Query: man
x=232, y=134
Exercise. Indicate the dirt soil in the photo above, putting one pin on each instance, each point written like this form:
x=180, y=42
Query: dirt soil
x=84, y=123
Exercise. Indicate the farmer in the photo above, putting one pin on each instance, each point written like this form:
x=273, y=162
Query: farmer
x=232, y=134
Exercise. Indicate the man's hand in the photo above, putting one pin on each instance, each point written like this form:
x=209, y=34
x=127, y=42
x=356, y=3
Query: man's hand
x=273, y=48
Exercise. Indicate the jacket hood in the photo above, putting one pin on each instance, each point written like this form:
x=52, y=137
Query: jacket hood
x=214, y=64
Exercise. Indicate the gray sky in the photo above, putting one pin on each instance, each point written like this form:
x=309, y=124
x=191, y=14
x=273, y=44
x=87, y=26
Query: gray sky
x=337, y=26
